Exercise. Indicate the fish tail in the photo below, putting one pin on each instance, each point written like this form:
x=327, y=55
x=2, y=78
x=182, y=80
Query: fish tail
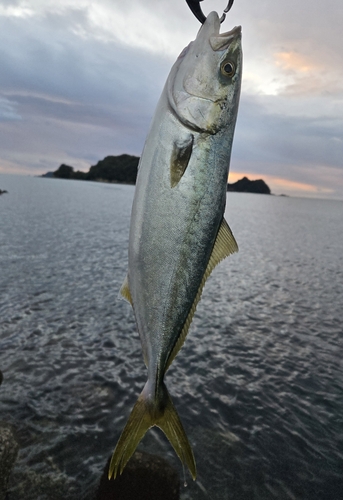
x=145, y=414
x=172, y=427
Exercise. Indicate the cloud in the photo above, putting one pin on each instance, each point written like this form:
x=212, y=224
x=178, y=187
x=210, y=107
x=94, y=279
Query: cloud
x=80, y=81
x=80, y=99
x=306, y=76
x=307, y=32
x=149, y=25
x=8, y=110
x=290, y=144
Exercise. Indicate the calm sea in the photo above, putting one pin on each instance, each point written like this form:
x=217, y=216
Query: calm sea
x=258, y=384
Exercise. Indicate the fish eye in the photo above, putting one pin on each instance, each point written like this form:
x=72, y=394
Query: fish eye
x=228, y=68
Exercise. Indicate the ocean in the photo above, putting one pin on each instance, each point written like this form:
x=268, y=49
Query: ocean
x=258, y=384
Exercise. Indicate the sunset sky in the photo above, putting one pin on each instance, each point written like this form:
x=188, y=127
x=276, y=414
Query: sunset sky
x=80, y=79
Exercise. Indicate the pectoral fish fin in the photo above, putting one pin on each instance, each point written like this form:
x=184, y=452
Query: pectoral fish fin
x=181, y=154
x=125, y=290
x=224, y=245
x=145, y=414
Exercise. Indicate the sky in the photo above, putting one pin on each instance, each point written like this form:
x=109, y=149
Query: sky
x=80, y=79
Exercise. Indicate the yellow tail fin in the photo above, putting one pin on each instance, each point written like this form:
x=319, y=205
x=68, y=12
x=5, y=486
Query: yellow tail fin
x=144, y=416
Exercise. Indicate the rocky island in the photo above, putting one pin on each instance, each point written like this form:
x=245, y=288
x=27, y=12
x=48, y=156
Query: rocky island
x=123, y=169
x=245, y=185
x=120, y=169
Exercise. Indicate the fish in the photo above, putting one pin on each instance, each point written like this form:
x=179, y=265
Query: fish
x=178, y=233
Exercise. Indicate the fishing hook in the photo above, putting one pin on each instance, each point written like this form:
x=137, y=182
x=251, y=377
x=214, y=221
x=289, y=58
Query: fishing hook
x=194, y=5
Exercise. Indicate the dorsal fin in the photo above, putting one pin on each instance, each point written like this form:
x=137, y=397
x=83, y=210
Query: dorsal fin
x=125, y=290
x=224, y=245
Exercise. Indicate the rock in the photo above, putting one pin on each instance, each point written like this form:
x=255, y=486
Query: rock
x=245, y=185
x=145, y=477
x=31, y=485
x=8, y=454
x=64, y=172
x=120, y=169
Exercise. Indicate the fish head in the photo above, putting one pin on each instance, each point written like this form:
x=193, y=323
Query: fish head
x=204, y=84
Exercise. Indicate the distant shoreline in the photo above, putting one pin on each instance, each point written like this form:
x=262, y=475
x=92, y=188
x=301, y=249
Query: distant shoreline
x=123, y=169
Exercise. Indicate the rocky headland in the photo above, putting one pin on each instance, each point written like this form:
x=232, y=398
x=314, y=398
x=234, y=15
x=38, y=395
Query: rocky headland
x=119, y=169
x=123, y=169
x=245, y=185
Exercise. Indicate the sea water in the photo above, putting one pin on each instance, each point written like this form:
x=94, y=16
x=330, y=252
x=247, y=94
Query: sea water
x=258, y=384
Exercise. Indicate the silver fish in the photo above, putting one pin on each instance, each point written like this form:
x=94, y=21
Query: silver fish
x=178, y=233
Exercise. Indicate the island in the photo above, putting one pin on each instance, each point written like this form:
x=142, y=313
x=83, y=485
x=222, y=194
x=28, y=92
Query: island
x=123, y=169
x=245, y=185
x=120, y=169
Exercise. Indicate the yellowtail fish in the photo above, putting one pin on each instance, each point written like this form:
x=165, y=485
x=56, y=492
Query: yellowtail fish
x=178, y=233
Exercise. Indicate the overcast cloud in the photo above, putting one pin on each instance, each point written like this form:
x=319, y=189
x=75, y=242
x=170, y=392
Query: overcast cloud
x=79, y=80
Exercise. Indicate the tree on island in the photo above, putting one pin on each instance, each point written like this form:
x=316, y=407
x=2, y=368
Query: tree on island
x=64, y=172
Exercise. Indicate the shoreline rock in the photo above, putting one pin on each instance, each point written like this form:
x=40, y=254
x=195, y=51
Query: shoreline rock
x=9, y=448
x=145, y=477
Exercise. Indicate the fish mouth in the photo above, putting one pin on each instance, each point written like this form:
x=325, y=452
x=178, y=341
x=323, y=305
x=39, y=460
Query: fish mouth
x=223, y=40
x=237, y=30
x=210, y=31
